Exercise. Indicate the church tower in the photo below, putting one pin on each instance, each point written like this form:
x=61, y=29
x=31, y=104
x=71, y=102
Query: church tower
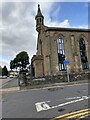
x=39, y=19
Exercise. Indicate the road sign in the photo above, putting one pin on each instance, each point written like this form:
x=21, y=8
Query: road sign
x=66, y=62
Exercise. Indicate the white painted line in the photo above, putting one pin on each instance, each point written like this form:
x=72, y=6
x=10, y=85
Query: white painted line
x=73, y=98
x=40, y=106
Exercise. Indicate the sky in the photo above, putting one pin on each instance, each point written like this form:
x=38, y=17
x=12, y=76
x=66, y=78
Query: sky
x=17, y=24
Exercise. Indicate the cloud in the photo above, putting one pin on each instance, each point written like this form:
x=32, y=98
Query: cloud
x=4, y=63
x=65, y=24
x=18, y=27
x=18, y=30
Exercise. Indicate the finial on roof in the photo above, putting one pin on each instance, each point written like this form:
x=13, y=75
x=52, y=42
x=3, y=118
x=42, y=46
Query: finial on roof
x=39, y=14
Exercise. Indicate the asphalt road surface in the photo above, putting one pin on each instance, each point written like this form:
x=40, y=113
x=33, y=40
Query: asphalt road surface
x=8, y=82
x=4, y=81
x=45, y=103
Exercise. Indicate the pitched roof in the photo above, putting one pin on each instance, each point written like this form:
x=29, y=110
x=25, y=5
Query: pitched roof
x=67, y=29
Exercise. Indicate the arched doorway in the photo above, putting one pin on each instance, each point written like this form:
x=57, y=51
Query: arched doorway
x=83, y=55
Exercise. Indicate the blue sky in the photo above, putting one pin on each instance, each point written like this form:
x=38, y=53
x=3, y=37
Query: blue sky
x=19, y=32
x=75, y=12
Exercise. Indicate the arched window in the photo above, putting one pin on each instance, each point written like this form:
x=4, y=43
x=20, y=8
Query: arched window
x=83, y=54
x=61, y=53
x=40, y=20
x=37, y=22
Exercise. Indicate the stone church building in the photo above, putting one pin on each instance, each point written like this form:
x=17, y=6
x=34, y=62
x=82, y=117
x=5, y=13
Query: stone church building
x=55, y=45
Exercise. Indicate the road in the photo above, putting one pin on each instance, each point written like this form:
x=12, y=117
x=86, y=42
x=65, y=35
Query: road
x=3, y=81
x=46, y=103
x=8, y=82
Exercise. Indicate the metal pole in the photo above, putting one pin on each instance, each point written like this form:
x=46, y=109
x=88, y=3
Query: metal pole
x=68, y=75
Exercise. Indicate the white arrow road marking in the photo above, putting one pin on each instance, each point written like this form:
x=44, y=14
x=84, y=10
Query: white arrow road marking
x=40, y=106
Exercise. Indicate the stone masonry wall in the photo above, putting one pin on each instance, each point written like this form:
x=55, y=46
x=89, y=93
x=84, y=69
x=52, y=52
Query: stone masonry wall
x=51, y=56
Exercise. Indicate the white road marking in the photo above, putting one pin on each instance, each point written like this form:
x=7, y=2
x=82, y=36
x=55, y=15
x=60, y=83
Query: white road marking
x=40, y=106
x=73, y=98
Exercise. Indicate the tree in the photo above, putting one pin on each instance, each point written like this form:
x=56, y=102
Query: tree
x=20, y=61
x=4, y=71
x=12, y=64
x=0, y=70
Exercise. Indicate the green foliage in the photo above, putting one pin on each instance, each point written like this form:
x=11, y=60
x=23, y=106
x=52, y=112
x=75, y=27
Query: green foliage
x=4, y=71
x=0, y=70
x=11, y=64
x=21, y=60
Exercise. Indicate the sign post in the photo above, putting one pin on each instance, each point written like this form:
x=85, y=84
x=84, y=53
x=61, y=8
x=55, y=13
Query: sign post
x=66, y=62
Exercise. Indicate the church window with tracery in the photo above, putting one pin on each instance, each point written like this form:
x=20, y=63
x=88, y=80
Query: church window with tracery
x=83, y=55
x=61, y=53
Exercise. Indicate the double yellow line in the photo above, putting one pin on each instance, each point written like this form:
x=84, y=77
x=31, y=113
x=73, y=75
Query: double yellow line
x=77, y=115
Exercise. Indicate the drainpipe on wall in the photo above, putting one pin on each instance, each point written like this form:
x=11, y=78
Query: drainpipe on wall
x=50, y=57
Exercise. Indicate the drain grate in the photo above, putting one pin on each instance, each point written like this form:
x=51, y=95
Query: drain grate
x=61, y=110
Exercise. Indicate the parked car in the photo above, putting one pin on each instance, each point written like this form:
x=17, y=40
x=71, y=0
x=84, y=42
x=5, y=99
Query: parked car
x=11, y=76
x=0, y=77
x=4, y=77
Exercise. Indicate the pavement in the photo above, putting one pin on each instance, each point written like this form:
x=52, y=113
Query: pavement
x=12, y=85
x=54, y=85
